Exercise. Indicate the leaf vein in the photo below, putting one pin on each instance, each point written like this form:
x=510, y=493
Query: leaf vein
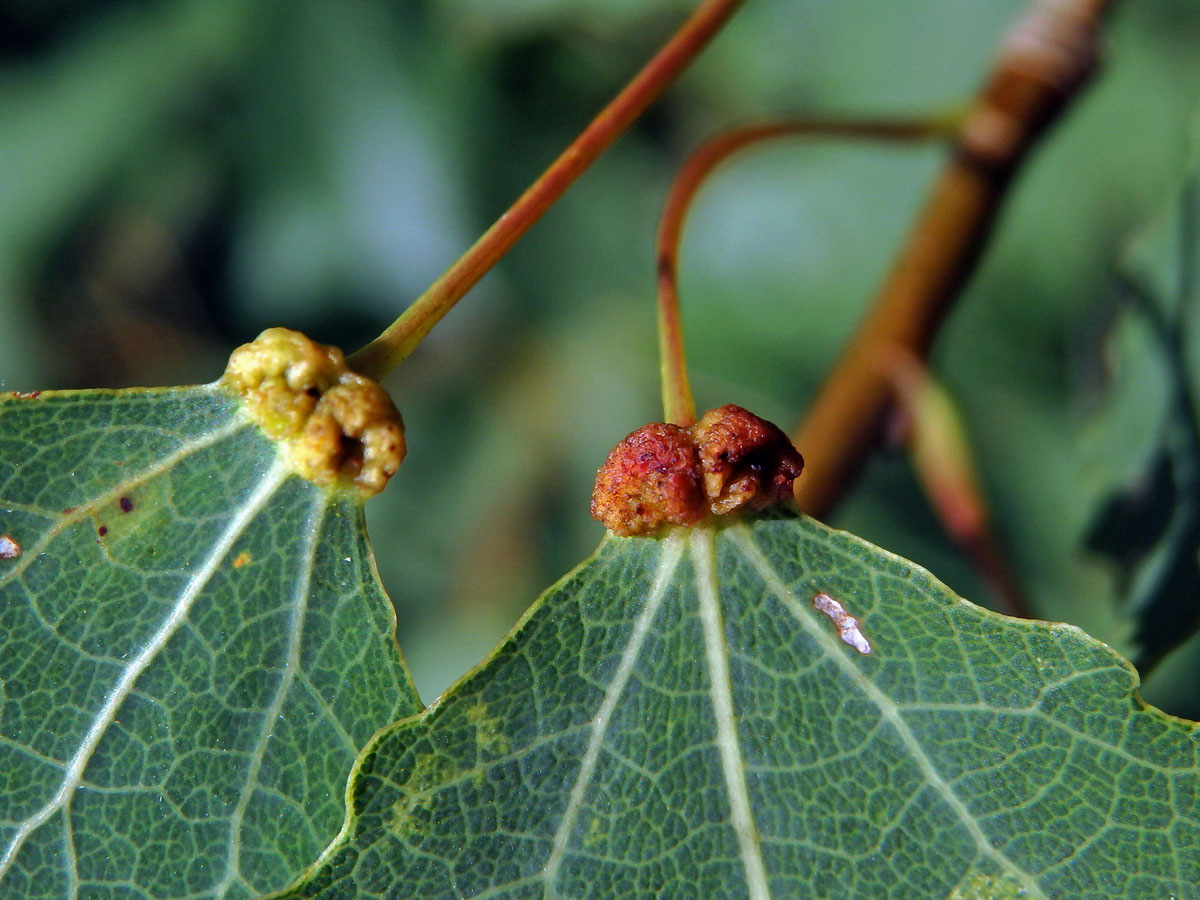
x=1042, y=715
x=890, y=710
x=120, y=691
x=84, y=510
x=299, y=604
x=671, y=554
x=733, y=767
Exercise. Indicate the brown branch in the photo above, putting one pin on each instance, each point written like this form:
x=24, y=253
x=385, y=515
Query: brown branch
x=677, y=394
x=393, y=346
x=1041, y=68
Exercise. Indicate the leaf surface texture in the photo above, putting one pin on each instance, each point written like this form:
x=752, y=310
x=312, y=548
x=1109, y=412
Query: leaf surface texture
x=675, y=719
x=193, y=647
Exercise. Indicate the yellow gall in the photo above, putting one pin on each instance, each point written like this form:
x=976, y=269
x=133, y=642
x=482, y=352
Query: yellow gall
x=334, y=426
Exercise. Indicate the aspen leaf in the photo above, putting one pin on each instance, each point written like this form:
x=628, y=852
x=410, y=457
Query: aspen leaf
x=684, y=716
x=194, y=646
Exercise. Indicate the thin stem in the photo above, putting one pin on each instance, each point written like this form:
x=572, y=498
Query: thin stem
x=678, y=405
x=392, y=347
x=1041, y=68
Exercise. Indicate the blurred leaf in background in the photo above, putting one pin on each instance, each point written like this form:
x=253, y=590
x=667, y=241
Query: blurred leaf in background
x=174, y=176
x=1146, y=438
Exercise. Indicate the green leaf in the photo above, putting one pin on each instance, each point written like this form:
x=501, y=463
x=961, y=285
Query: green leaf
x=1148, y=433
x=676, y=718
x=194, y=646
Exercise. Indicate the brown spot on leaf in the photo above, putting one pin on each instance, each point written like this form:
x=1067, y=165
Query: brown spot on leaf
x=102, y=530
x=126, y=504
x=669, y=475
x=9, y=549
x=31, y=395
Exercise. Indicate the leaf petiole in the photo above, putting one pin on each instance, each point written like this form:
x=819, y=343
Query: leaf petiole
x=678, y=406
x=387, y=351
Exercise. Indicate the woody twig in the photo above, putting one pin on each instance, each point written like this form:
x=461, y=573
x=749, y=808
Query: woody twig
x=1040, y=70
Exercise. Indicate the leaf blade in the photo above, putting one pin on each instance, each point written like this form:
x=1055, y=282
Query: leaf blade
x=171, y=650
x=967, y=756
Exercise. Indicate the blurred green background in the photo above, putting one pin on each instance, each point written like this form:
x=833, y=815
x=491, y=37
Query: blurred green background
x=177, y=175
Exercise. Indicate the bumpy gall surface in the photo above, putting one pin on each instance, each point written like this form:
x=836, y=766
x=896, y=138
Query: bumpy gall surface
x=650, y=479
x=669, y=475
x=334, y=426
x=746, y=462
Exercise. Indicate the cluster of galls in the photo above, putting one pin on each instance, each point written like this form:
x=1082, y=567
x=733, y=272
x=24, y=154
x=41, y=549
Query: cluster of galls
x=334, y=426
x=670, y=475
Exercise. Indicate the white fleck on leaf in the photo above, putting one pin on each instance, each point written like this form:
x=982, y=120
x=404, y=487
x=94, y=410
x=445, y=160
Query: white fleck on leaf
x=847, y=625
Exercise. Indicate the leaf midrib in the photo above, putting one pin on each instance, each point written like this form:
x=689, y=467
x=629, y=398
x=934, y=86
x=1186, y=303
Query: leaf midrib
x=733, y=765
x=287, y=677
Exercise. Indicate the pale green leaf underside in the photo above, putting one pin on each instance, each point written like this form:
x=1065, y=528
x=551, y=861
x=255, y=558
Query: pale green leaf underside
x=193, y=648
x=675, y=720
